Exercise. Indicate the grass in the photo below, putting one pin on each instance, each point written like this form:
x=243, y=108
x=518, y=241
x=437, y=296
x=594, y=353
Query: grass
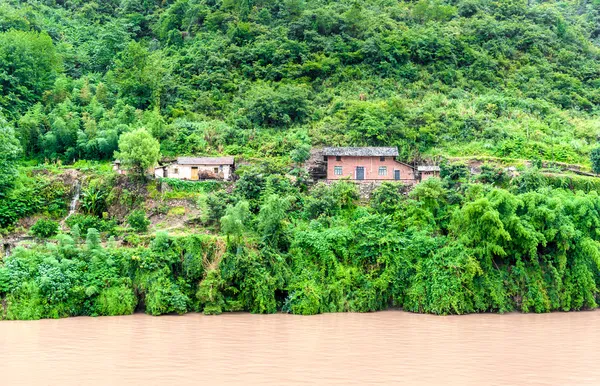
x=176, y=211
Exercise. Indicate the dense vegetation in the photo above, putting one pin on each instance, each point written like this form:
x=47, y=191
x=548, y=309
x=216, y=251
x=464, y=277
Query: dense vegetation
x=510, y=78
x=83, y=82
x=449, y=247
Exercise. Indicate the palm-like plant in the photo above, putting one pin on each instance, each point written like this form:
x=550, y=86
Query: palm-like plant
x=93, y=201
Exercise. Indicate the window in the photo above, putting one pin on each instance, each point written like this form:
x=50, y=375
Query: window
x=175, y=171
x=383, y=171
x=337, y=170
x=216, y=170
x=396, y=174
x=382, y=159
x=338, y=158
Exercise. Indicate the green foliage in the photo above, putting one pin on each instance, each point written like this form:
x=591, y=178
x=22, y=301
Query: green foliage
x=138, y=220
x=496, y=251
x=235, y=220
x=29, y=64
x=85, y=222
x=511, y=81
x=116, y=301
x=9, y=152
x=165, y=297
x=33, y=193
x=93, y=200
x=92, y=239
x=270, y=220
x=44, y=228
x=595, y=160
x=192, y=186
x=388, y=197
x=280, y=107
x=432, y=77
x=529, y=180
x=210, y=293
x=138, y=150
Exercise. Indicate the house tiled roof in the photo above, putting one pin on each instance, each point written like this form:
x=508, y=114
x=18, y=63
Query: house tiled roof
x=361, y=151
x=205, y=161
x=428, y=168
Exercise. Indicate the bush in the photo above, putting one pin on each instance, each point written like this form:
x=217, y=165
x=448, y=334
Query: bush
x=44, y=228
x=86, y=222
x=165, y=297
x=138, y=220
x=116, y=301
x=192, y=186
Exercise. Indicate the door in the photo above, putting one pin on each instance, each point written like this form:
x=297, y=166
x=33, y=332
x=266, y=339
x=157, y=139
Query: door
x=360, y=173
x=396, y=174
x=194, y=173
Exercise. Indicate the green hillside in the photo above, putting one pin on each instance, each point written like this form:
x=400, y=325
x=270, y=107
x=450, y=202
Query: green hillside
x=502, y=78
x=507, y=89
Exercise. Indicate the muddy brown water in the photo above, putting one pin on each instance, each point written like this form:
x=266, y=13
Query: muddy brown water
x=379, y=348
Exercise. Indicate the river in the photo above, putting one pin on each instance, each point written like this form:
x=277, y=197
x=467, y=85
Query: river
x=379, y=348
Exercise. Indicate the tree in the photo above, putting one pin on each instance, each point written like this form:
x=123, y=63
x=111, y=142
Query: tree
x=92, y=240
x=138, y=150
x=271, y=220
x=234, y=222
x=28, y=66
x=9, y=153
x=595, y=159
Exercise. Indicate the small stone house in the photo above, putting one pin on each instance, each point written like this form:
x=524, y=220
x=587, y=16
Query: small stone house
x=198, y=168
x=116, y=166
x=367, y=164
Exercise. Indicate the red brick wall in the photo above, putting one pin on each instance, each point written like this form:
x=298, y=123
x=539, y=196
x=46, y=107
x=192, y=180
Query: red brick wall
x=371, y=165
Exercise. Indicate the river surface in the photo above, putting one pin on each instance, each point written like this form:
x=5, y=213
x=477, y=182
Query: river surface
x=379, y=348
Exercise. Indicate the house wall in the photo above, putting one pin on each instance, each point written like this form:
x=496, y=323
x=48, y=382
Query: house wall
x=427, y=175
x=184, y=172
x=371, y=165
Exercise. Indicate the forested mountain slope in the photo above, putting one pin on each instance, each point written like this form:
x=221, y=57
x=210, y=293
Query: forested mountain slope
x=265, y=81
x=258, y=78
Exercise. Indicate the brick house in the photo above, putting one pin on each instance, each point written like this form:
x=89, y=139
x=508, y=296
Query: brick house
x=367, y=164
x=427, y=171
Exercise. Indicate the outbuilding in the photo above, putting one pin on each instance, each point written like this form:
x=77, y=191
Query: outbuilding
x=428, y=171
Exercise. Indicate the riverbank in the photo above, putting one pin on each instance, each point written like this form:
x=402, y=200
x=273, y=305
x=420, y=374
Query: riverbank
x=269, y=244
x=388, y=347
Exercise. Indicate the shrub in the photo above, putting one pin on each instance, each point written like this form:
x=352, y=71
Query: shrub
x=209, y=293
x=44, y=228
x=86, y=222
x=92, y=240
x=138, y=220
x=116, y=301
x=217, y=204
x=165, y=297
x=192, y=186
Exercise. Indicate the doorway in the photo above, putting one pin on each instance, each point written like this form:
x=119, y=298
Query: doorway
x=360, y=173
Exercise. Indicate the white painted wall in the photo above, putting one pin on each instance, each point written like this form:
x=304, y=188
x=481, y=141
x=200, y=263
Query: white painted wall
x=184, y=172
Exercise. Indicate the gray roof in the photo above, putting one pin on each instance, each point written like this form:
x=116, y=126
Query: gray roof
x=361, y=151
x=428, y=168
x=205, y=161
